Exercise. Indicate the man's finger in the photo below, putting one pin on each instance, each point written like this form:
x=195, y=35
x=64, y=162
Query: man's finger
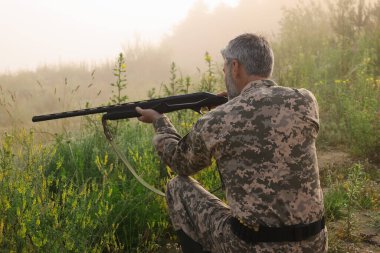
x=222, y=94
x=139, y=110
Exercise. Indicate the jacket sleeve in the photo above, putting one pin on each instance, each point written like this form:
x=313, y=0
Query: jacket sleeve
x=186, y=155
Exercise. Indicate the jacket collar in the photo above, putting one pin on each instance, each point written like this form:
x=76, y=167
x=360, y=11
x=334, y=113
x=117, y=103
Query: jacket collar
x=258, y=83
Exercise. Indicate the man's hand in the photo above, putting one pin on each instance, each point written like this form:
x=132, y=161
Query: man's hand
x=148, y=115
x=221, y=94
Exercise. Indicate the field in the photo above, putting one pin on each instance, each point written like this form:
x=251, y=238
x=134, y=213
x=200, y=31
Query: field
x=63, y=189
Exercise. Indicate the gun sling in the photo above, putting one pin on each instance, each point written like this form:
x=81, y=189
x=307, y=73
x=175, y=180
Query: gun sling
x=292, y=233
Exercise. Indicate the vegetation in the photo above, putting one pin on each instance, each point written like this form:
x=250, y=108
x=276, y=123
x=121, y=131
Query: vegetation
x=336, y=56
x=72, y=193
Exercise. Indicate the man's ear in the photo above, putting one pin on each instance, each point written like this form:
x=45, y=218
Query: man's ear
x=235, y=68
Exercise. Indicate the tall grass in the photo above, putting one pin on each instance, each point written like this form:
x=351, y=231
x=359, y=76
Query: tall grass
x=44, y=211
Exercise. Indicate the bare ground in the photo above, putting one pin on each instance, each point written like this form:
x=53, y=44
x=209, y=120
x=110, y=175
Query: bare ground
x=333, y=158
x=366, y=237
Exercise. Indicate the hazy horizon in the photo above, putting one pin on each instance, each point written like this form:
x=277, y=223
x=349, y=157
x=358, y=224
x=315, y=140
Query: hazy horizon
x=42, y=33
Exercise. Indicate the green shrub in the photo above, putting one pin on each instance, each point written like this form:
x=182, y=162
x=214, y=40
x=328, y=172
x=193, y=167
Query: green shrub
x=73, y=217
x=334, y=202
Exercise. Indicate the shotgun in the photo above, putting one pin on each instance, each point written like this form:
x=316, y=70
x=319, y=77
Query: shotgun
x=194, y=101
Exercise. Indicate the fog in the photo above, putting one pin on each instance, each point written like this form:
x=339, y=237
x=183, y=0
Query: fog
x=210, y=31
x=58, y=87
x=40, y=32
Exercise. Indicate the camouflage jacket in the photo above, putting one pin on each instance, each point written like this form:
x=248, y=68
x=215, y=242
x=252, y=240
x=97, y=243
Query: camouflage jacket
x=263, y=142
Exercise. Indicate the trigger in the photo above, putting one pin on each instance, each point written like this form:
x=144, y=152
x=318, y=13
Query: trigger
x=204, y=110
x=198, y=110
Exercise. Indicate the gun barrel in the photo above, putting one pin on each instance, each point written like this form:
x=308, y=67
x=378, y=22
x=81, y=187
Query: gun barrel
x=69, y=114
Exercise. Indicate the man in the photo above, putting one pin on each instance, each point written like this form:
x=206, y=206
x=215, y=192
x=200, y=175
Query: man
x=263, y=141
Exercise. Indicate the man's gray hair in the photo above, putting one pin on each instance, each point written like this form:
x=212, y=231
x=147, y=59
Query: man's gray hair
x=253, y=52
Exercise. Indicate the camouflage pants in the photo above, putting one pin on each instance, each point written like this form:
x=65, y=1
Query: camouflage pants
x=205, y=218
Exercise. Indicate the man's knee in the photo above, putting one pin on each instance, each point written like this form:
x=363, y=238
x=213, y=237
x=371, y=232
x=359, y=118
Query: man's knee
x=175, y=187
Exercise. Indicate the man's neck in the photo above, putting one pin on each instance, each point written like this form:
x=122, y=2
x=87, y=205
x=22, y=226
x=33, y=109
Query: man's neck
x=250, y=79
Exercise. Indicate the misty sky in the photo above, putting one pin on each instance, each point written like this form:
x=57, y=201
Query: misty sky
x=39, y=32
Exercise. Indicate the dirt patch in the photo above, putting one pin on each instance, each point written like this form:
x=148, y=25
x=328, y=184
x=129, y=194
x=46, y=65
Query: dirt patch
x=333, y=158
x=366, y=237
